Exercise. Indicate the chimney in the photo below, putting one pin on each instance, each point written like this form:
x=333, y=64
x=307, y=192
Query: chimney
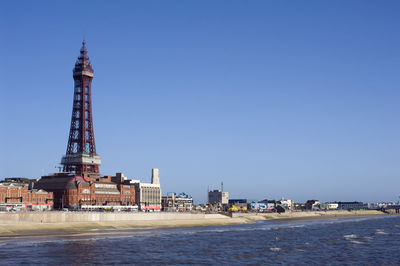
x=155, y=179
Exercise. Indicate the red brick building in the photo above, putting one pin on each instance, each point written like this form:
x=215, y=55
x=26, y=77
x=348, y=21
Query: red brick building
x=16, y=194
x=89, y=191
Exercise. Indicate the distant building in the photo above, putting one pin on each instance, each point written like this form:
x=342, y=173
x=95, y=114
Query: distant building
x=312, y=205
x=201, y=208
x=329, y=206
x=17, y=194
x=269, y=204
x=380, y=205
x=286, y=204
x=22, y=180
x=272, y=205
x=238, y=205
x=177, y=203
x=148, y=195
x=373, y=206
x=352, y=205
x=258, y=206
x=218, y=197
x=237, y=201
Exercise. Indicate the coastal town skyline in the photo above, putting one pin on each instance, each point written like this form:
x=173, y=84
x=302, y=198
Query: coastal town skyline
x=267, y=118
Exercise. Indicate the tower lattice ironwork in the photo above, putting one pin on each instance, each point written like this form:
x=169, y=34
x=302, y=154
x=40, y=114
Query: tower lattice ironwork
x=81, y=156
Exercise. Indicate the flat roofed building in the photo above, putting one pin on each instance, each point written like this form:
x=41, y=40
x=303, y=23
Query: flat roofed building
x=18, y=196
x=352, y=205
x=329, y=206
x=148, y=195
x=177, y=203
x=237, y=201
x=218, y=197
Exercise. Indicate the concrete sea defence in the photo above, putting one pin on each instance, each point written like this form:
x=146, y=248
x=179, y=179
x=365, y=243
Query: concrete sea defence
x=67, y=223
x=67, y=217
x=60, y=223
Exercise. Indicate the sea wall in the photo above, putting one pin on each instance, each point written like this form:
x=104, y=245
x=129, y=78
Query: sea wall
x=67, y=217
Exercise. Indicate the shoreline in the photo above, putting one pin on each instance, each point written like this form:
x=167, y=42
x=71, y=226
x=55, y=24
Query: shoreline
x=321, y=215
x=96, y=228
x=30, y=228
x=326, y=217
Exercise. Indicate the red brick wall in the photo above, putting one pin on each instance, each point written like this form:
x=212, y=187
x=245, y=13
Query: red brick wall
x=77, y=197
x=23, y=195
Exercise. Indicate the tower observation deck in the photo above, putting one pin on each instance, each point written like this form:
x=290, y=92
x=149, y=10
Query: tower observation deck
x=81, y=156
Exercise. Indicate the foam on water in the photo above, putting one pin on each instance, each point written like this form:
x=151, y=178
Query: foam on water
x=350, y=236
x=380, y=232
x=357, y=242
x=275, y=249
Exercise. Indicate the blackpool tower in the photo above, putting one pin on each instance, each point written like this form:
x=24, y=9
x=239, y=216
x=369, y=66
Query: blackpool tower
x=81, y=156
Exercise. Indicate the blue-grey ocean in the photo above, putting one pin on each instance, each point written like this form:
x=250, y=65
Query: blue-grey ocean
x=361, y=241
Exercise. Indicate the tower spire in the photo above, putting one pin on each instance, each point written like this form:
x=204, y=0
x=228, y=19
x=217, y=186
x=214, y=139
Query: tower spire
x=81, y=156
x=83, y=49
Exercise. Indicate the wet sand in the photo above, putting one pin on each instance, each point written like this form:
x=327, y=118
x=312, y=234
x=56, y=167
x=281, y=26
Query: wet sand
x=80, y=228
x=26, y=228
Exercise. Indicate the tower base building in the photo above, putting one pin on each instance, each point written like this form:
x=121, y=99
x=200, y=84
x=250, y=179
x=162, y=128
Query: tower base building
x=85, y=192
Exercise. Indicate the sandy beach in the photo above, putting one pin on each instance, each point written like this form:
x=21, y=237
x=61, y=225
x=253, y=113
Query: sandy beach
x=79, y=228
x=36, y=225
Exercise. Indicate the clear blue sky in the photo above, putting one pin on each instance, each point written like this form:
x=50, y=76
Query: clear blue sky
x=298, y=99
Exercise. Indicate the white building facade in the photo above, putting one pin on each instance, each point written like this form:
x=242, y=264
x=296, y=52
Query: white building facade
x=329, y=206
x=148, y=195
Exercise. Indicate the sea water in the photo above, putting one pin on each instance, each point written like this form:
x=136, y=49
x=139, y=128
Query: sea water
x=372, y=241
